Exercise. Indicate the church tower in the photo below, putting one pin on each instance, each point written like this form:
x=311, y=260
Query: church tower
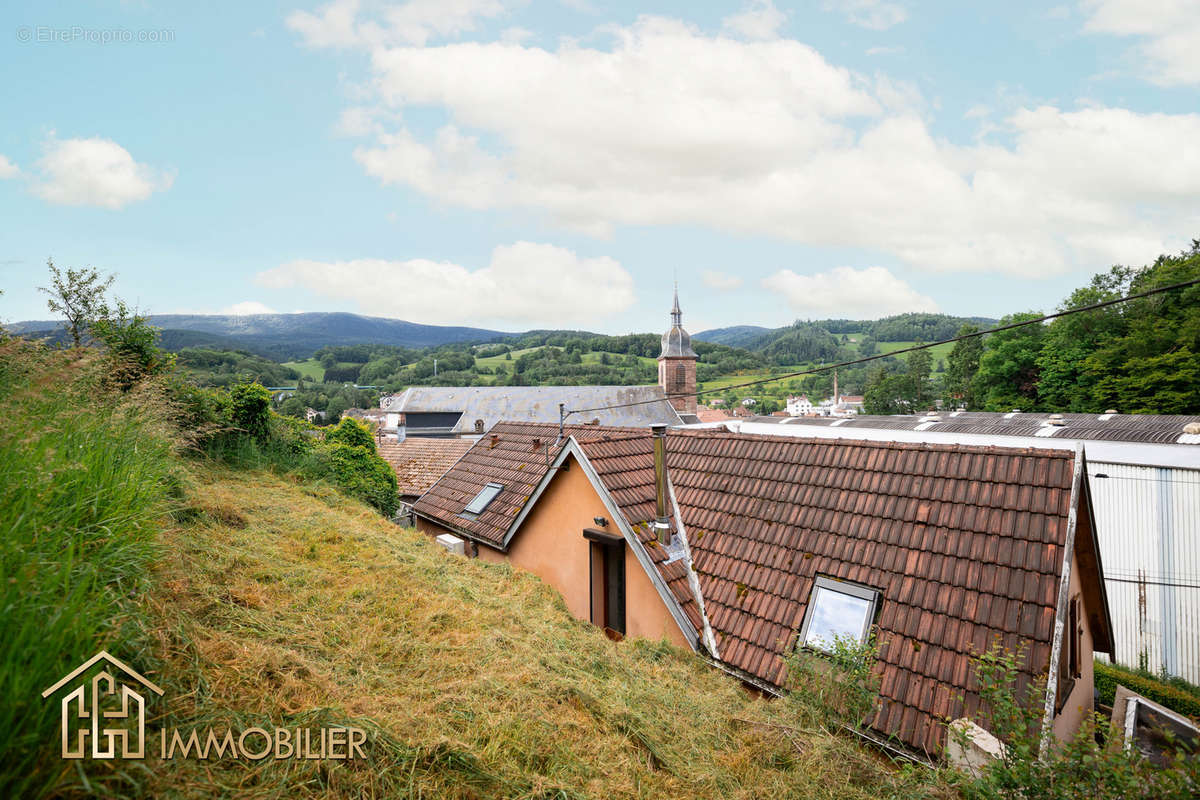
x=677, y=364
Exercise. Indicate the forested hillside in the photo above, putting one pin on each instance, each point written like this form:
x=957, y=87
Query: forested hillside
x=1140, y=357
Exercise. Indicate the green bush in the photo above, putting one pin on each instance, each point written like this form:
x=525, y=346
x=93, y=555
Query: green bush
x=1092, y=764
x=360, y=473
x=352, y=432
x=250, y=409
x=835, y=687
x=1173, y=697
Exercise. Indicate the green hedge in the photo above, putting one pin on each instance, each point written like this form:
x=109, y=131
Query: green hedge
x=1173, y=697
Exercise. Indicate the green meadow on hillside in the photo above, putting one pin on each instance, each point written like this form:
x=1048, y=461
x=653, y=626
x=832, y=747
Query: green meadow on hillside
x=311, y=369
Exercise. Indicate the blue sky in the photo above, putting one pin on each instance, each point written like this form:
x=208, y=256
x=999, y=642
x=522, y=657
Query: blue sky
x=558, y=164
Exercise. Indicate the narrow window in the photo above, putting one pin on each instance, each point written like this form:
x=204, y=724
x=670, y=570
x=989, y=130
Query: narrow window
x=838, y=611
x=608, y=587
x=486, y=495
x=680, y=377
x=1075, y=638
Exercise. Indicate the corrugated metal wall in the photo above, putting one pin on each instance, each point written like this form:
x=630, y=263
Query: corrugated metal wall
x=1148, y=521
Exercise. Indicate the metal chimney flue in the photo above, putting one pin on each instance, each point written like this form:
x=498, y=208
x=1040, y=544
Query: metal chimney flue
x=662, y=527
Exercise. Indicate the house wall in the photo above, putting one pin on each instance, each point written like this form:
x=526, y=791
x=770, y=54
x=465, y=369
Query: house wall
x=1079, y=702
x=550, y=544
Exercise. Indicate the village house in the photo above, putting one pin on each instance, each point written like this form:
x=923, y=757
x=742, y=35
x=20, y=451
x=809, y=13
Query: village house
x=743, y=547
x=799, y=406
x=1144, y=474
x=418, y=462
x=470, y=411
x=707, y=414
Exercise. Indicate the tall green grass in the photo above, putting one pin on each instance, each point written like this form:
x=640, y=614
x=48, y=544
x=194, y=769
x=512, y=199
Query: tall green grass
x=85, y=478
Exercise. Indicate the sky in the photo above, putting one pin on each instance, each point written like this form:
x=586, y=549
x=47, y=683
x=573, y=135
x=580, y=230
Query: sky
x=529, y=164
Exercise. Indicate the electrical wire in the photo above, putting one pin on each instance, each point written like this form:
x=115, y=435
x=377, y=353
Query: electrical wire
x=817, y=370
x=1153, y=583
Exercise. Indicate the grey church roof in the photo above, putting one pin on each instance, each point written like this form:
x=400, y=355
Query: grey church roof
x=537, y=404
x=676, y=343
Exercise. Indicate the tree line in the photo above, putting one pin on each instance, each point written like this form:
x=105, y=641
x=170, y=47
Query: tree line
x=1139, y=357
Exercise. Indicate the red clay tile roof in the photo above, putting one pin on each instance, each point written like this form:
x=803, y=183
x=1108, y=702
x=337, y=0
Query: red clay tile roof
x=513, y=454
x=965, y=545
x=419, y=462
x=707, y=414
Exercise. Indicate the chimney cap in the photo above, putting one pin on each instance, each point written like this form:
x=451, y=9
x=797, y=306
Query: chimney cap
x=659, y=429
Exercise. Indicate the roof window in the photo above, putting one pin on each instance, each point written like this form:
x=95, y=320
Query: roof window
x=486, y=495
x=838, y=612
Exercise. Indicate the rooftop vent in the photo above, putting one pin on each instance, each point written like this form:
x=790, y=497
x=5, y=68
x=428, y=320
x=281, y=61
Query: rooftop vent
x=1056, y=419
x=1110, y=411
x=662, y=527
x=479, y=426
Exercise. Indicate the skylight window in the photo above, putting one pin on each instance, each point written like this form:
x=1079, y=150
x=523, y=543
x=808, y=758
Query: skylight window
x=486, y=495
x=838, y=611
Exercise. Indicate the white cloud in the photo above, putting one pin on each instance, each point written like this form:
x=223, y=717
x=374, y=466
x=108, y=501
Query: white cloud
x=95, y=172
x=849, y=293
x=524, y=283
x=670, y=126
x=1170, y=52
x=876, y=15
x=415, y=22
x=760, y=19
x=720, y=280
x=8, y=169
x=248, y=307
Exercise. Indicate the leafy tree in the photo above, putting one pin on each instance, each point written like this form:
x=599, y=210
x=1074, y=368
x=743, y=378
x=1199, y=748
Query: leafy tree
x=919, y=390
x=1008, y=369
x=1144, y=368
x=962, y=365
x=131, y=342
x=1063, y=381
x=334, y=409
x=887, y=393
x=78, y=295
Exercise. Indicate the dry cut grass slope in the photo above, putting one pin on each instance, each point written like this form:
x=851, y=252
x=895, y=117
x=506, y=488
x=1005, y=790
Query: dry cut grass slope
x=287, y=604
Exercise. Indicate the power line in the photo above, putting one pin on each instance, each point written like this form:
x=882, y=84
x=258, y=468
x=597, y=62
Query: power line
x=816, y=370
x=1153, y=583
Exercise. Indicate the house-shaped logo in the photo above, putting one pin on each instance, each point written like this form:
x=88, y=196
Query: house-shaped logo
x=107, y=698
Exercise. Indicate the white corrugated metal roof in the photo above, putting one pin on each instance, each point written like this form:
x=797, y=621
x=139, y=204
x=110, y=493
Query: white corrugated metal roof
x=1166, y=455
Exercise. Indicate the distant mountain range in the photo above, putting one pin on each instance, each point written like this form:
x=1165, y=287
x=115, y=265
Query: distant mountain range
x=285, y=337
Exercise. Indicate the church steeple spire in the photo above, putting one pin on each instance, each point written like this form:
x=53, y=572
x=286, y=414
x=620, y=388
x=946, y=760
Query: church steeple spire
x=677, y=363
